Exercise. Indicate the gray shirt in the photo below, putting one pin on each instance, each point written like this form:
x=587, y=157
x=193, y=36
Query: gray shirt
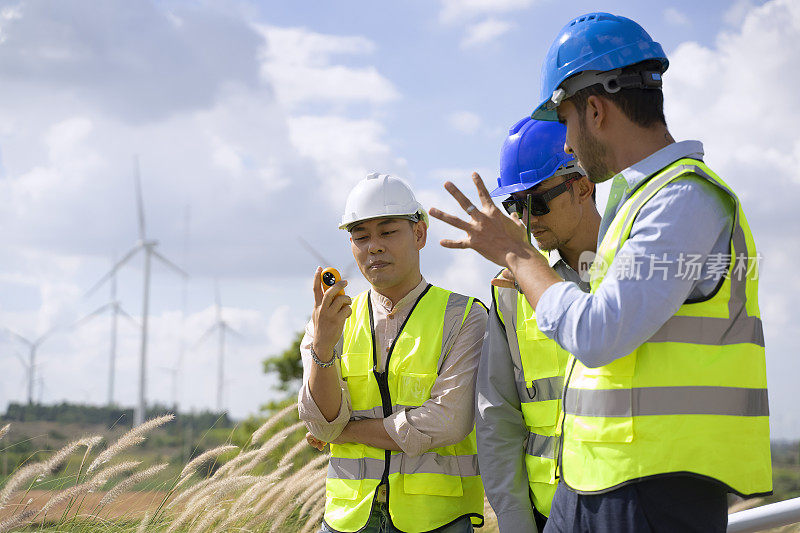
x=687, y=219
x=501, y=430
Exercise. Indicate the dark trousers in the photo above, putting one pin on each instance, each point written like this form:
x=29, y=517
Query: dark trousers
x=666, y=504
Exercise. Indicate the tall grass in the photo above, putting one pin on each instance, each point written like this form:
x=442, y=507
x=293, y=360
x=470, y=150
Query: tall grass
x=257, y=488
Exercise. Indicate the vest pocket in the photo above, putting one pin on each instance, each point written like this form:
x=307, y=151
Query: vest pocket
x=414, y=388
x=343, y=489
x=542, y=414
x=432, y=485
x=431, y=473
x=540, y=469
x=356, y=364
x=538, y=352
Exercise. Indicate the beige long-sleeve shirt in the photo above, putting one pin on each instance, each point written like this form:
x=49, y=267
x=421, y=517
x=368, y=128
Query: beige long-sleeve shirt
x=446, y=418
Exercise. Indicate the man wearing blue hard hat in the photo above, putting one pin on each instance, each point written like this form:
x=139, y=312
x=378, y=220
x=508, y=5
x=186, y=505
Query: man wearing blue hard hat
x=665, y=402
x=521, y=371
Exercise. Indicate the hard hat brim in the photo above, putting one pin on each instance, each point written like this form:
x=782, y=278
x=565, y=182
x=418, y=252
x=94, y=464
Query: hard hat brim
x=421, y=214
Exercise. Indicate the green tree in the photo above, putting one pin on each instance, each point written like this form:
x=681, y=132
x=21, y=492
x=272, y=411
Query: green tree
x=287, y=365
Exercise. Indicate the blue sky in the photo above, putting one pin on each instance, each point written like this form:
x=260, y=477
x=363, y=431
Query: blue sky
x=259, y=116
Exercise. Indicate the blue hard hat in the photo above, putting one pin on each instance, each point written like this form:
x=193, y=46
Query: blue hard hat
x=596, y=42
x=532, y=152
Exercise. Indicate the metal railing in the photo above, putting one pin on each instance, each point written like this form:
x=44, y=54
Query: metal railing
x=765, y=517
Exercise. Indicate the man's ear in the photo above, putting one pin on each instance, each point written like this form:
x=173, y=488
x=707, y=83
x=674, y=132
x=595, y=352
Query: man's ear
x=585, y=188
x=420, y=234
x=597, y=109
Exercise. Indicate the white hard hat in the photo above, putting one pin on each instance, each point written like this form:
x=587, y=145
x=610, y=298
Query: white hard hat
x=378, y=196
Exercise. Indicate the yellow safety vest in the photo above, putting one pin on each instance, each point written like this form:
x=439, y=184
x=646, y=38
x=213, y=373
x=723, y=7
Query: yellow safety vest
x=539, y=366
x=693, y=398
x=424, y=492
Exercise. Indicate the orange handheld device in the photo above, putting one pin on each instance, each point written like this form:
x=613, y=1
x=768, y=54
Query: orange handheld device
x=329, y=277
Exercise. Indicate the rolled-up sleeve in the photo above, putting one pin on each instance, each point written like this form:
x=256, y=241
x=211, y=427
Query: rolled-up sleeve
x=689, y=218
x=307, y=407
x=501, y=433
x=449, y=415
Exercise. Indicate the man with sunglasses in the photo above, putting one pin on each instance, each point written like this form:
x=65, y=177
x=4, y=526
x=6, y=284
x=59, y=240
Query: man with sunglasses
x=521, y=372
x=665, y=404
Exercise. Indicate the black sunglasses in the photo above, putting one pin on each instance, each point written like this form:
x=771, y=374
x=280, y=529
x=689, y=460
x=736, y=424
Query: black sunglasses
x=538, y=203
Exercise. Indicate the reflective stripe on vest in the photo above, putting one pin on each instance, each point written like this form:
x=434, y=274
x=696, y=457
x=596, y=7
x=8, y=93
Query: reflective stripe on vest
x=539, y=387
x=444, y=482
x=693, y=398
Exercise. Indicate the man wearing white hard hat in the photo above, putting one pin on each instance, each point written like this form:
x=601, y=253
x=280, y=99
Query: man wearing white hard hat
x=389, y=379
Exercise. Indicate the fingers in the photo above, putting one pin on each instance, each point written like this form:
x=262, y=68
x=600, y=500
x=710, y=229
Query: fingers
x=318, y=286
x=459, y=245
x=332, y=293
x=483, y=192
x=503, y=283
x=506, y=273
x=449, y=219
x=462, y=200
x=314, y=442
x=515, y=217
x=341, y=301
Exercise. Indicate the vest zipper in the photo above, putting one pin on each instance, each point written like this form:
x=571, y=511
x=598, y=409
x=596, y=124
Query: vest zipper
x=559, y=455
x=383, y=377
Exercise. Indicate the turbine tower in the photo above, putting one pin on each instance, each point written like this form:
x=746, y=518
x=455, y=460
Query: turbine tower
x=221, y=327
x=30, y=365
x=148, y=247
x=116, y=310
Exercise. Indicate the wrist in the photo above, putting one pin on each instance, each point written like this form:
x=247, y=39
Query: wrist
x=517, y=254
x=324, y=357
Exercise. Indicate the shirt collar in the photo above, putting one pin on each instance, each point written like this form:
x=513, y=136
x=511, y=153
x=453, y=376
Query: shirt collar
x=553, y=258
x=638, y=172
x=405, y=301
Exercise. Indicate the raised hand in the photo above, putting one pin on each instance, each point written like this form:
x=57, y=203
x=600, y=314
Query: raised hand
x=490, y=232
x=331, y=309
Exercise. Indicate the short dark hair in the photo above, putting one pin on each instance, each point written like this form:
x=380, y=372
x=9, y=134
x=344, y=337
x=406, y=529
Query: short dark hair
x=572, y=191
x=643, y=107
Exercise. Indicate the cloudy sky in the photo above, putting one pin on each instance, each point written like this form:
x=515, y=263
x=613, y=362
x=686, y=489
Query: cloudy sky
x=252, y=120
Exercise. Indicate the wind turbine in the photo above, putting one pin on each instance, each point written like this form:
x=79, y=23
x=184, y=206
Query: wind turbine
x=148, y=247
x=221, y=327
x=30, y=365
x=318, y=256
x=116, y=310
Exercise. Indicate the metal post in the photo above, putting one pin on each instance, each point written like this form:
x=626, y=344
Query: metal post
x=113, y=355
x=221, y=366
x=765, y=517
x=139, y=413
x=31, y=367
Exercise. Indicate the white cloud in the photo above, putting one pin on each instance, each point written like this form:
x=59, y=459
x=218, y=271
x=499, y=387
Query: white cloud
x=459, y=10
x=465, y=122
x=485, y=32
x=675, y=17
x=737, y=11
x=221, y=122
x=299, y=63
x=739, y=96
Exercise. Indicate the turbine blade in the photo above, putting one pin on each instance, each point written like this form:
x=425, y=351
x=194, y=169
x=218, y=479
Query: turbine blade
x=313, y=251
x=17, y=336
x=349, y=270
x=47, y=334
x=231, y=330
x=91, y=315
x=205, y=335
x=21, y=360
x=139, y=202
x=169, y=263
x=113, y=270
x=128, y=317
